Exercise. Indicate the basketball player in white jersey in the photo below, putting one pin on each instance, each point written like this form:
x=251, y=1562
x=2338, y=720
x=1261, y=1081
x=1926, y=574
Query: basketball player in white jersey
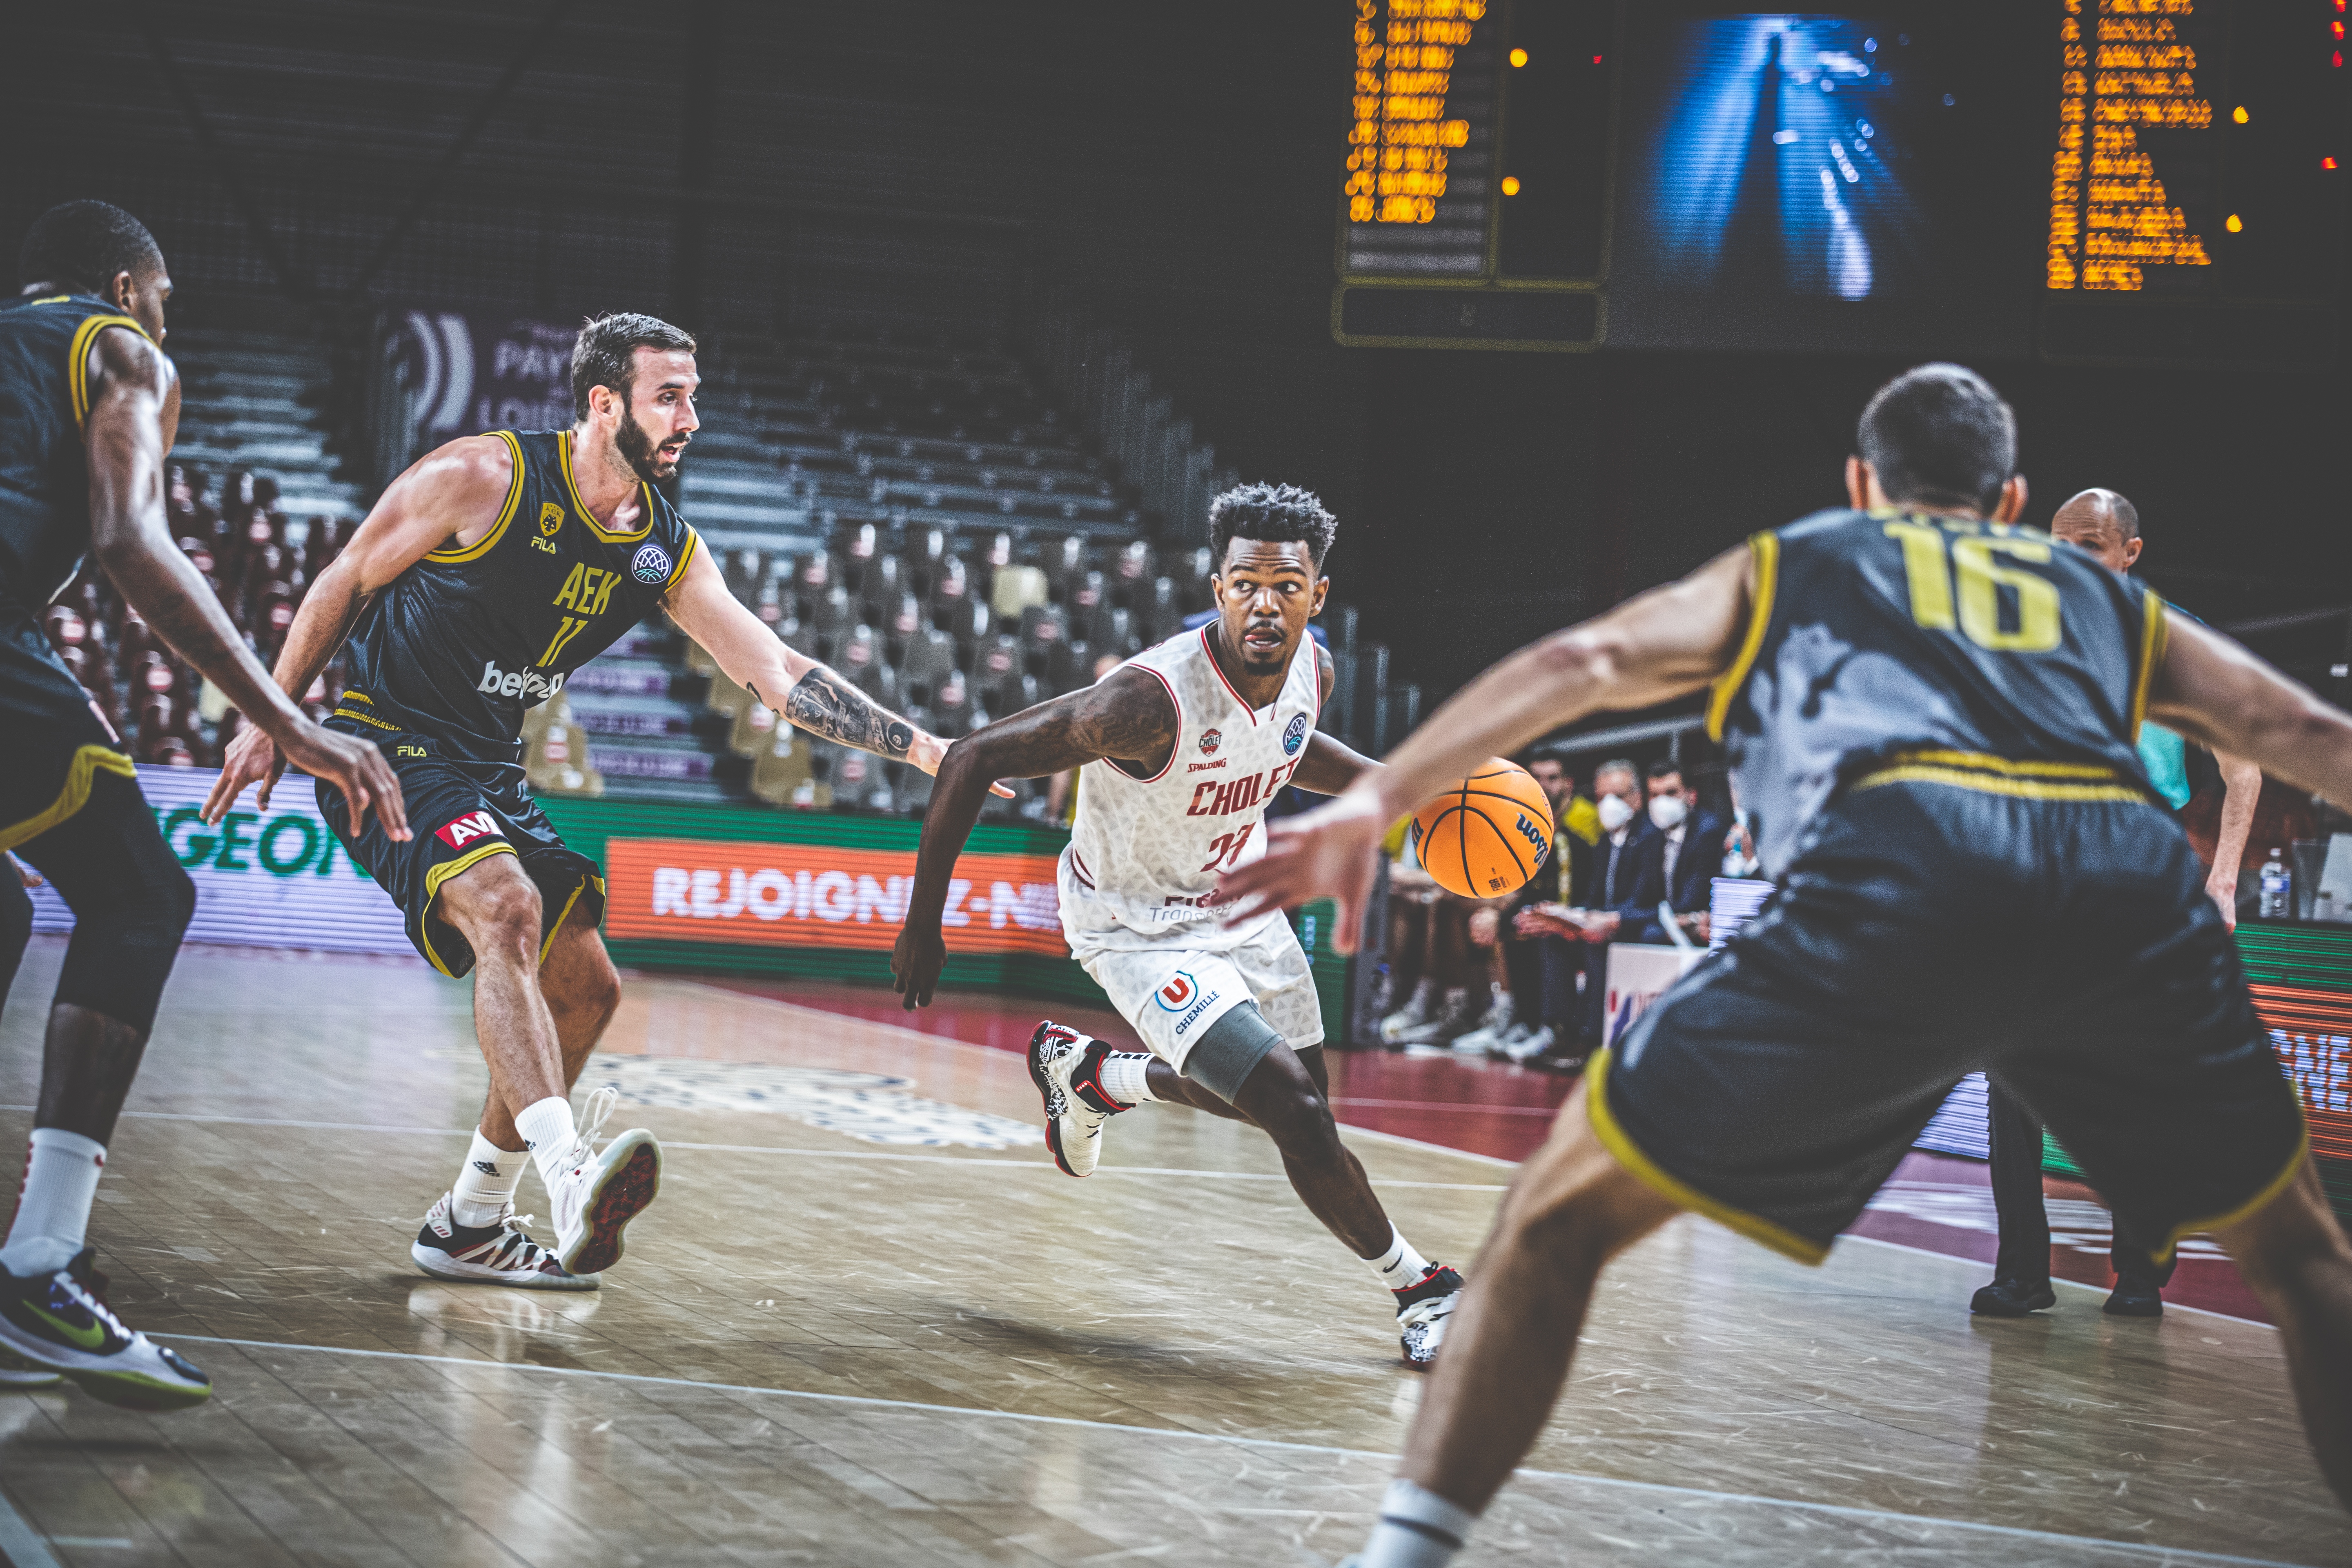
x=1181, y=748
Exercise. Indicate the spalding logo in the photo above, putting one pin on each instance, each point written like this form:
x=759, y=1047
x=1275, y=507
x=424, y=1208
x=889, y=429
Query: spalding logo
x=1295, y=736
x=651, y=565
x=1178, y=994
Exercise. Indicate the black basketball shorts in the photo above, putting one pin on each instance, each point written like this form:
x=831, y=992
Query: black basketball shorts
x=2066, y=948
x=56, y=741
x=459, y=814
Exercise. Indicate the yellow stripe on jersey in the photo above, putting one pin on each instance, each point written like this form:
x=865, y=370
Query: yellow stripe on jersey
x=1766, y=548
x=78, y=358
x=480, y=547
x=644, y=502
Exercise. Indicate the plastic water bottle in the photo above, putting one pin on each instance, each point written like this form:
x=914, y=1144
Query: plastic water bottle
x=2278, y=888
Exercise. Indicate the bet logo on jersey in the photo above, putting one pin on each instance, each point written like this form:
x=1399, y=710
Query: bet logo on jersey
x=1177, y=994
x=1295, y=736
x=1211, y=739
x=651, y=565
x=474, y=825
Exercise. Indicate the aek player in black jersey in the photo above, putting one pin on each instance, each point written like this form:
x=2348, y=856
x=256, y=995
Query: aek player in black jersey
x=487, y=574
x=88, y=405
x=1929, y=715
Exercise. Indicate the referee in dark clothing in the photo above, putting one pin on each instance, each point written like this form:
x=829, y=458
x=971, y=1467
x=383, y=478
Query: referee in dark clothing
x=2107, y=526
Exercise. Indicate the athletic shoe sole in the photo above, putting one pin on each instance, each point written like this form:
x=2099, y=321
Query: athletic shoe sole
x=16, y=1372
x=631, y=1177
x=107, y=1378
x=441, y=1266
x=1046, y=1100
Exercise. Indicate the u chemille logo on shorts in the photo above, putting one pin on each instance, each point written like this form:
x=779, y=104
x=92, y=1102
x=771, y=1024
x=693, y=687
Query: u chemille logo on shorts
x=1178, y=994
x=651, y=565
x=1295, y=736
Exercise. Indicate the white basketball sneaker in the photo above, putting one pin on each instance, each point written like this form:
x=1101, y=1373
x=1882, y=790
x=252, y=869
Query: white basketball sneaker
x=599, y=1193
x=1066, y=1068
x=500, y=1254
x=1421, y=1314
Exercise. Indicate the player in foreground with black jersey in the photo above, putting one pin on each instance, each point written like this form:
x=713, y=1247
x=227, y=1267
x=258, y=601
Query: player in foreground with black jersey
x=1930, y=717
x=89, y=406
x=487, y=574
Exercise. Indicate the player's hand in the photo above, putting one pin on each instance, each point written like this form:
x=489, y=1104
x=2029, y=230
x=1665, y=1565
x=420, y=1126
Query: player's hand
x=252, y=758
x=928, y=752
x=2225, y=899
x=916, y=961
x=1328, y=853
x=356, y=768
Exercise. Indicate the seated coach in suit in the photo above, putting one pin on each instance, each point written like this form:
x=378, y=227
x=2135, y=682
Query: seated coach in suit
x=1683, y=861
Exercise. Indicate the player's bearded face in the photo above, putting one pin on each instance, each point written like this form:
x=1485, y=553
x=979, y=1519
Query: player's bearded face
x=636, y=446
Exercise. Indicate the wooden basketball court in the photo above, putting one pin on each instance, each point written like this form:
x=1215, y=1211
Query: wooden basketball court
x=868, y=1322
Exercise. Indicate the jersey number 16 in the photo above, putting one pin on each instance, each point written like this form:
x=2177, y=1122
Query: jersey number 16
x=1933, y=565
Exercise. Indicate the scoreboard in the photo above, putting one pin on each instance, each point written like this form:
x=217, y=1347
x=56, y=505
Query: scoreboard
x=2104, y=181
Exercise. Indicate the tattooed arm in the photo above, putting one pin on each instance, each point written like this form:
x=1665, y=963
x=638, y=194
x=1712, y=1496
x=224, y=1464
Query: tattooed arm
x=1126, y=716
x=796, y=686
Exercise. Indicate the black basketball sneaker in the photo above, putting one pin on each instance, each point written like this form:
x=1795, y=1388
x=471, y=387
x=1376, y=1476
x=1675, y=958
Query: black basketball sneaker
x=500, y=1254
x=61, y=1321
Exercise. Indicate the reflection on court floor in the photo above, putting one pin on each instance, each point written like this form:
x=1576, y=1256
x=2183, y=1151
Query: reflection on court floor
x=830, y=1346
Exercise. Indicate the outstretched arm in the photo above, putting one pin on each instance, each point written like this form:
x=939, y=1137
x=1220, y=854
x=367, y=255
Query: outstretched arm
x=1665, y=644
x=1127, y=715
x=2241, y=791
x=2213, y=691
x=805, y=692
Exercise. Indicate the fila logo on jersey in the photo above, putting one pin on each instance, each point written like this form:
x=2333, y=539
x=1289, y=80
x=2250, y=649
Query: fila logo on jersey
x=1210, y=738
x=1178, y=994
x=651, y=565
x=466, y=829
x=1295, y=736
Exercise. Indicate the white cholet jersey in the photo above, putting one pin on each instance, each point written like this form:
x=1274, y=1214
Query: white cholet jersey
x=1145, y=853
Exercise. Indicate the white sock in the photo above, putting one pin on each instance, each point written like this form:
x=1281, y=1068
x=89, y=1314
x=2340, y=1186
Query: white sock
x=1126, y=1077
x=1400, y=1267
x=487, y=1183
x=548, y=1128
x=1418, y=1528
x=61, y=1171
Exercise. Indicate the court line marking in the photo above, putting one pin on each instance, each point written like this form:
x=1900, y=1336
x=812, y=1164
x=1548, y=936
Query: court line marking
x=1839, y=1509
x=965, y=1160
x=20, y=1543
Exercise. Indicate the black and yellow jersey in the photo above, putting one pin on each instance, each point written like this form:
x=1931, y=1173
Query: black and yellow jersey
x=1887, y=646
x=458, y=646
x=44, y=343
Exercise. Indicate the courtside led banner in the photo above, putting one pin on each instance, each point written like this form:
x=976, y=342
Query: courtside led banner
x=263, y=879
x=818, y=895
x=2311, y=1030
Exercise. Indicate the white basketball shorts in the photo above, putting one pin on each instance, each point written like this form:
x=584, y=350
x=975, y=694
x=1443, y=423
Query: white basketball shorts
x=1172, y=993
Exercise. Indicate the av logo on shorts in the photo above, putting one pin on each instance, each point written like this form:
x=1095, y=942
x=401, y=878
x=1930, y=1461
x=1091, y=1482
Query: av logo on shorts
x=1295, y=736
x=1178, y=994
x=1210, y=739
x=474, y=825
x=651, y=565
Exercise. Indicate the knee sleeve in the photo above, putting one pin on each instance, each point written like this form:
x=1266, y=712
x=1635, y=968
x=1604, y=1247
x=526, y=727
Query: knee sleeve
x=130, y=899
x=1231, y=1050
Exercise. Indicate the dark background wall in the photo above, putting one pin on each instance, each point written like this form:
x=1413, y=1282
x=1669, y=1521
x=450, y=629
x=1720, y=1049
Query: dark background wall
x=929, y=165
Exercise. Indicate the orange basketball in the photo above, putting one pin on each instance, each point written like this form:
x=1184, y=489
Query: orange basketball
x=1487, y=835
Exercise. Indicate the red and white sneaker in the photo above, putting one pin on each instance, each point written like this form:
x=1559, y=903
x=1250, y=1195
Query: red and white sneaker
x=601, y=1192
x=1421, y=1312
x=1066, y=1068
x=500, y=1253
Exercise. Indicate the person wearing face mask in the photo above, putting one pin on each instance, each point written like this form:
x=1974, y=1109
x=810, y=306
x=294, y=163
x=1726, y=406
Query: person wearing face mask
x=1686, y=867
x=1621, y=872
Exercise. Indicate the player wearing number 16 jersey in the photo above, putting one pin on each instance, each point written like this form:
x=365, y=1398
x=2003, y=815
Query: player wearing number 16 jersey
x=1181, y=749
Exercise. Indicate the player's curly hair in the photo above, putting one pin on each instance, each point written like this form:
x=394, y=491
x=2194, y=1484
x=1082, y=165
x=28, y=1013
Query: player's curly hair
x=1273, y=514
x=1939, y=436
x=84, y=244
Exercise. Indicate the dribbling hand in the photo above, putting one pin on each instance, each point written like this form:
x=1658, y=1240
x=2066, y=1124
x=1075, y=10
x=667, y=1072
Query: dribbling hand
x=1328, y=853
x=352, y=765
